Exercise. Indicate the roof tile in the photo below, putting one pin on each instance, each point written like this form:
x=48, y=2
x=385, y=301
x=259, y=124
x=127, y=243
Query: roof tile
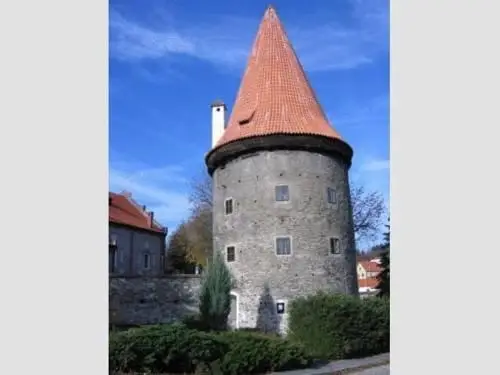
x=275, y=96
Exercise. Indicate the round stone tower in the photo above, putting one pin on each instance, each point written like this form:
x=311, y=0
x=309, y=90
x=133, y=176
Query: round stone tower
x=282, y=212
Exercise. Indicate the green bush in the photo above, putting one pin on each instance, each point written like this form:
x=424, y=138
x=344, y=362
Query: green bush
x=258, y=353
x=160, y=349
x=215, y=297
x=339, y=326
x=178, y=349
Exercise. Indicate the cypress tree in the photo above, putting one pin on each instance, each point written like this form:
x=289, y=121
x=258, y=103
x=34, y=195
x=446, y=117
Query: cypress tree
x=215, y=297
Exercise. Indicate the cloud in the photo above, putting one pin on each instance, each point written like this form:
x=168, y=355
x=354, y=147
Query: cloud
x=226, y=41
x=376, y=165
x=163, y=190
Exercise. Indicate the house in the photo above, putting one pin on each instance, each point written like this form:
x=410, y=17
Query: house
x=368, y=268
x=136, y=239
x=368, y=287
x=368, y=271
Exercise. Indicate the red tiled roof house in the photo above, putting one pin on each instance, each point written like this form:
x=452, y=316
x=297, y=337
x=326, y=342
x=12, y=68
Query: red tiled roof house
x=136, y=239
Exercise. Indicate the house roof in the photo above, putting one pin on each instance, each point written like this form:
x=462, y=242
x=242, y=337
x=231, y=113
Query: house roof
x=275, y=96
x=370, y=282
x=370, y=266
x=124, y=210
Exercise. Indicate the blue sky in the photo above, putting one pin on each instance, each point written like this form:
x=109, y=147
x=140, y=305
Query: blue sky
x=168, y=60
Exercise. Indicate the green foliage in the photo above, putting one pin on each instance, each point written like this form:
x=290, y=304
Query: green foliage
x=384, y=284
x=178, y=254
x=178, y=349
x=258, y=353
x=215, y=297
x=339, y=326
x=383, y=277
x=160, y=349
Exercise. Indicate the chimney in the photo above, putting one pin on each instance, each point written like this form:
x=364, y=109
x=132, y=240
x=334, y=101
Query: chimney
x=144, y=208
x=151, y=218
x=218, y=120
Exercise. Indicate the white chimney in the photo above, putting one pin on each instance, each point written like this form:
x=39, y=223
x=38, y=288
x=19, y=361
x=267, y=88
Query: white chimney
x=218, y=121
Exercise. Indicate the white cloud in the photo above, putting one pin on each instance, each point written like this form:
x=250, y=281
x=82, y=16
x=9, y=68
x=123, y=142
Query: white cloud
x=163, y=190
x=376, y=165
x=226, y=41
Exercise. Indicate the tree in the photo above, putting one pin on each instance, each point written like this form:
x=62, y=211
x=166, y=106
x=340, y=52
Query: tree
x=215, y=296
x=367, y=210
x=384, y=276
x=179, y=251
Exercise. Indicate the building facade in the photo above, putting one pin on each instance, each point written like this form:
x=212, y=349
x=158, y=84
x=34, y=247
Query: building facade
x=136, y=240
x=282, y=211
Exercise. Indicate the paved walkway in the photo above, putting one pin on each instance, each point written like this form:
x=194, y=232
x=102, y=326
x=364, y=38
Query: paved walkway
x=346, y=364
x=379, y=370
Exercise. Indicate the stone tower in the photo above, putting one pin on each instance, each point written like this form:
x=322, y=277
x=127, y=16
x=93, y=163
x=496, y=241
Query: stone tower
x=281, y=203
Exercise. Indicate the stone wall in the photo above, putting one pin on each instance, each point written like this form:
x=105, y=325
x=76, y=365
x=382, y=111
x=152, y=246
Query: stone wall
x=263, y=278
x=152, y=300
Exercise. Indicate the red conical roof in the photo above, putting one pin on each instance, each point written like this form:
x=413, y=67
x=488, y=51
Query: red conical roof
x=275, y=96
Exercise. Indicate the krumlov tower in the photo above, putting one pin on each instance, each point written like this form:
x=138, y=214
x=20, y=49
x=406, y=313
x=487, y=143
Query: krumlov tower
x=282, y=212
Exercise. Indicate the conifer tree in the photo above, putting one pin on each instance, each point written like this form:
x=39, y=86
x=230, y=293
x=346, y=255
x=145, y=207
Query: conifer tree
x=215, y=297
x=384, y=276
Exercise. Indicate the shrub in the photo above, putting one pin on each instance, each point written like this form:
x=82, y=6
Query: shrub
x=339, y=326
x=215, y=297
x=160, y=349
x=178, y=349
x=257, y=353
x=195, y=322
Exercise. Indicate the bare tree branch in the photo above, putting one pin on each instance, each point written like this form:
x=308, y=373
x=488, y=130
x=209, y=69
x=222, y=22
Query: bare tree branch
x=367, y=211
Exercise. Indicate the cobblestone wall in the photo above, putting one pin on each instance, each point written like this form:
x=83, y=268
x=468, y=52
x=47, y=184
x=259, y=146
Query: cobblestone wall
x=152, y=300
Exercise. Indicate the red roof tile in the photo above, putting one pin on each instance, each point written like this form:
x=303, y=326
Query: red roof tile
x=370, y=266
x=275, y=96
x=123, y=210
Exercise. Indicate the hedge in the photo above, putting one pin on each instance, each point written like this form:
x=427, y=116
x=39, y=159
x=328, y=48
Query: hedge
x=161, y=349
x=339, y=326
x=258, y=353
x=178, y=349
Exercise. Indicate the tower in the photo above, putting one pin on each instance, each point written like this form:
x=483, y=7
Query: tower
x=282, y=212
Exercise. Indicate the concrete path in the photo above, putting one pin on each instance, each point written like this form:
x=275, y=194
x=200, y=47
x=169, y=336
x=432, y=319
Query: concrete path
x=346, y=364
x=380, y=370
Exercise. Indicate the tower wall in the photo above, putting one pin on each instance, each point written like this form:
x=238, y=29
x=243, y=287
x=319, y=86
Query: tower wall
x=264, y=278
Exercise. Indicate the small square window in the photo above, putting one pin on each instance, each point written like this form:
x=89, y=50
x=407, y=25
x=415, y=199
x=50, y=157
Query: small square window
x=282, y=193
x=230, y=254
x=283, y=246
x=229, y=206
x=147, y=261
x=334, y=246
x=332, y=195
x=280, y=308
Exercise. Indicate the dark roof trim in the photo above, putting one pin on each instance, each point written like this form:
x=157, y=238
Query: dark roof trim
x=304, y=142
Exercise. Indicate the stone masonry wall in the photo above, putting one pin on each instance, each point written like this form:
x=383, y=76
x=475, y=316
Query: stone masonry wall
x=264, y=278
x=152, y=300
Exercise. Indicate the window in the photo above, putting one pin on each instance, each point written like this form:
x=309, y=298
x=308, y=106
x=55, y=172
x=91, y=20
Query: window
x=147, y=261
x=282, y=193
x=332, y=195
x=113, y=239
x=334, y=246
x=112, y=260
x=280, y=308
x=230, y=254
x=229, y=206
x=146, y=245
x=283, y=246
